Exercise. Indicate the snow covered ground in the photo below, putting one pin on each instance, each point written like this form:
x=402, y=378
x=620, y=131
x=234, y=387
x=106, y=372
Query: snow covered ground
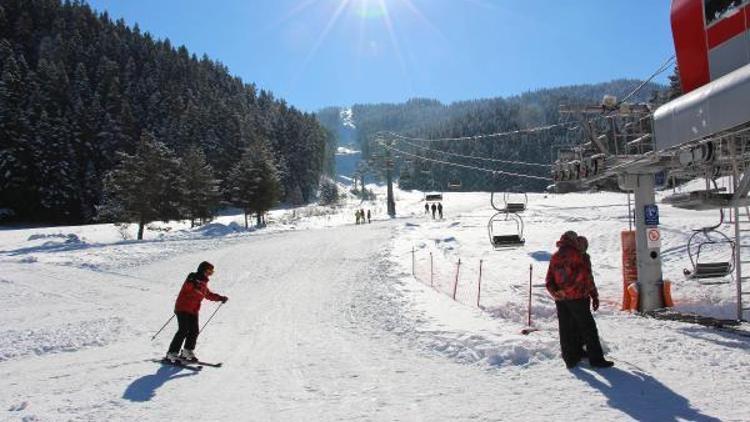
x=326, y=322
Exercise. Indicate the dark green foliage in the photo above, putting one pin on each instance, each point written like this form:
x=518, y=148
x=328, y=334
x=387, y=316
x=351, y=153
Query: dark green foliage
x=77, y=88
x=425, y=118
x=145, y=186
x=202, y=194
x=254, y=183
x=329, y=192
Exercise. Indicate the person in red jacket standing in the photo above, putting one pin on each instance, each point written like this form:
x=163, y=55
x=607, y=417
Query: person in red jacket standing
x=186, y=308
x=571, y=284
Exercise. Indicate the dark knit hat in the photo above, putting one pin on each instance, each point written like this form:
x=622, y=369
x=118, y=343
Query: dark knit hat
x=568, y=238
x=205, y=265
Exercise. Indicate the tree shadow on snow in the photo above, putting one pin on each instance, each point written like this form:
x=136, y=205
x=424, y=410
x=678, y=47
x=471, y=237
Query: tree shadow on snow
x=641, y=396
x=144, y=389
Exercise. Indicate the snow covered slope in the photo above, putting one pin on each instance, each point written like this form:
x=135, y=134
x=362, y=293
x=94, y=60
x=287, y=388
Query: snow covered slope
x=326, y=322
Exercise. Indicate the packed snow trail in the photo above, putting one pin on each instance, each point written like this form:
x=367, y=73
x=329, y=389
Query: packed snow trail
x=317, y=328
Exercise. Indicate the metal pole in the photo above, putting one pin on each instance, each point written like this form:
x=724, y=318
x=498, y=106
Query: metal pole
x=211, y=317
x=630, y=218
x=455, y=284
x=431, y=271
x=412, y=260
x=479, y=283
x=650, y=282
x=163, y=327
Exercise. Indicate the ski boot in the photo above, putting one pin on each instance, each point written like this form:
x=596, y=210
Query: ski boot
x=188, y=356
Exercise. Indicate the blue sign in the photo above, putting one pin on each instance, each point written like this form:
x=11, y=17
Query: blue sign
x=651, y=215
x=660, y=178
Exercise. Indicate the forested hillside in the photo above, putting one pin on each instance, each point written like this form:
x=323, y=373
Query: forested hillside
x=426, y=118
x=77, y=89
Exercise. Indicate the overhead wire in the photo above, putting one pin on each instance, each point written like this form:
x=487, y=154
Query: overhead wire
x=667, y=64
x=465, y=166
x=473, y=157
x=478, y=137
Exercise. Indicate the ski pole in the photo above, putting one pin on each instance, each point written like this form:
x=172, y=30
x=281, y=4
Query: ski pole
x=163, y=327
x=209, y=318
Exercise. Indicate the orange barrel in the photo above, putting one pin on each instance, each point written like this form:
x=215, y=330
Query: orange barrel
x=632, y=292
x=629, y=266
x=667, y=289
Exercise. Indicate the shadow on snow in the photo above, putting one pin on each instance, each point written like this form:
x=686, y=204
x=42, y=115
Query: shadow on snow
x=641, y=396
x=144, y=389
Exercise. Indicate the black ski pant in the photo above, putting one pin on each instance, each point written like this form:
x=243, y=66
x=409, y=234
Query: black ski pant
x=187, y=332
x=577, y=327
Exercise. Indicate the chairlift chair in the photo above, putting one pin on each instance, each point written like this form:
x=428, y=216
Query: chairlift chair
x=505, y=240
x=709, y=270
x=509, y=204
x=454, y=184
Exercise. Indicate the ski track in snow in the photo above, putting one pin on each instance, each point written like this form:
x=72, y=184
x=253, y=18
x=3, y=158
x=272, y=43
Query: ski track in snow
x=331, y=325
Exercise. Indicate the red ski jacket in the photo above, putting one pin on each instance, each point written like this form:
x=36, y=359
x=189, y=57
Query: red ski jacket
x=569, y=273
x=193, y=291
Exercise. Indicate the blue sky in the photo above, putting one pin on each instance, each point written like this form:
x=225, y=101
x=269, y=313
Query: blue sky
x=317, y=53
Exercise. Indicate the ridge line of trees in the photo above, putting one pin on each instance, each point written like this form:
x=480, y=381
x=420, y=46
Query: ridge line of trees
x=78, y=92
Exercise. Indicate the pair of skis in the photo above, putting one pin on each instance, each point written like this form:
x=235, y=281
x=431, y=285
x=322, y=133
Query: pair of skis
x=196, y=365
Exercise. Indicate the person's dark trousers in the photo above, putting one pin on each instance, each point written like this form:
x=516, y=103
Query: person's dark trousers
x=187, y=332
x=576, y=323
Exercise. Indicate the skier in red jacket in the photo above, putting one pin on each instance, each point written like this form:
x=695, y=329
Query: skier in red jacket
x=570, y=282
x=186, y=308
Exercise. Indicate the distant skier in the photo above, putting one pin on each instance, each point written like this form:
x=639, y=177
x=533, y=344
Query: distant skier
x=434, y=208
x=426, y=208
x=187, y=307
x=570, y=283
x=368, y=216
x=356, y=214
x=440, y=209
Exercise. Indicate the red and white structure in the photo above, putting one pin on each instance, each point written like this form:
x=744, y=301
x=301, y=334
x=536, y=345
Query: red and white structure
x=712, y=41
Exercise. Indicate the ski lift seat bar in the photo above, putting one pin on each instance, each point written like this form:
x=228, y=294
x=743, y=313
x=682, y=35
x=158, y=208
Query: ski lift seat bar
x=507, y=240
x=712, y=269
x=515, y=207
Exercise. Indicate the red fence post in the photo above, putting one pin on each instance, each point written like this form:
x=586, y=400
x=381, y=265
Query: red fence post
x=530, y=273
x=479, y=283
x=455, y=284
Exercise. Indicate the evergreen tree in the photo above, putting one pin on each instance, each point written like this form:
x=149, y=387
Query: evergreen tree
x=202, y=195
x=144, y=187
x=329, y=191
x=254, y=184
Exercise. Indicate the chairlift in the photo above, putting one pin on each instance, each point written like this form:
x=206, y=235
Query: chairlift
x=505, y=240
x=433, y=196
x=702, y=269
x=512, y=202
x=454, y=184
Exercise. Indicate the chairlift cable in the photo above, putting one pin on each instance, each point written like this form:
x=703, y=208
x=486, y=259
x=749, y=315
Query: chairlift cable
x=449, y=163
x=666, y=65
x=472, y=157
x=478, y=137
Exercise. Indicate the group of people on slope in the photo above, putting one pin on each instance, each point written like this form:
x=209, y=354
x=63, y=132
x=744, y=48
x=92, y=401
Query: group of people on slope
x=433, y=207
x=362, y=217
x=570, y=281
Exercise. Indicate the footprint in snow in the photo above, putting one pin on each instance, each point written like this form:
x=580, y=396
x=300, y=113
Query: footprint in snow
x=19, y=407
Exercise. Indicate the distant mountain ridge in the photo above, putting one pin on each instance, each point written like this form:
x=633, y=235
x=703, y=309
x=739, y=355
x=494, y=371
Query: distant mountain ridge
x=429, y=118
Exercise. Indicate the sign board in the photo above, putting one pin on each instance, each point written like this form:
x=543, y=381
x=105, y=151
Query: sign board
x=660, y=179
x=653, y=238
x=651, y=215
